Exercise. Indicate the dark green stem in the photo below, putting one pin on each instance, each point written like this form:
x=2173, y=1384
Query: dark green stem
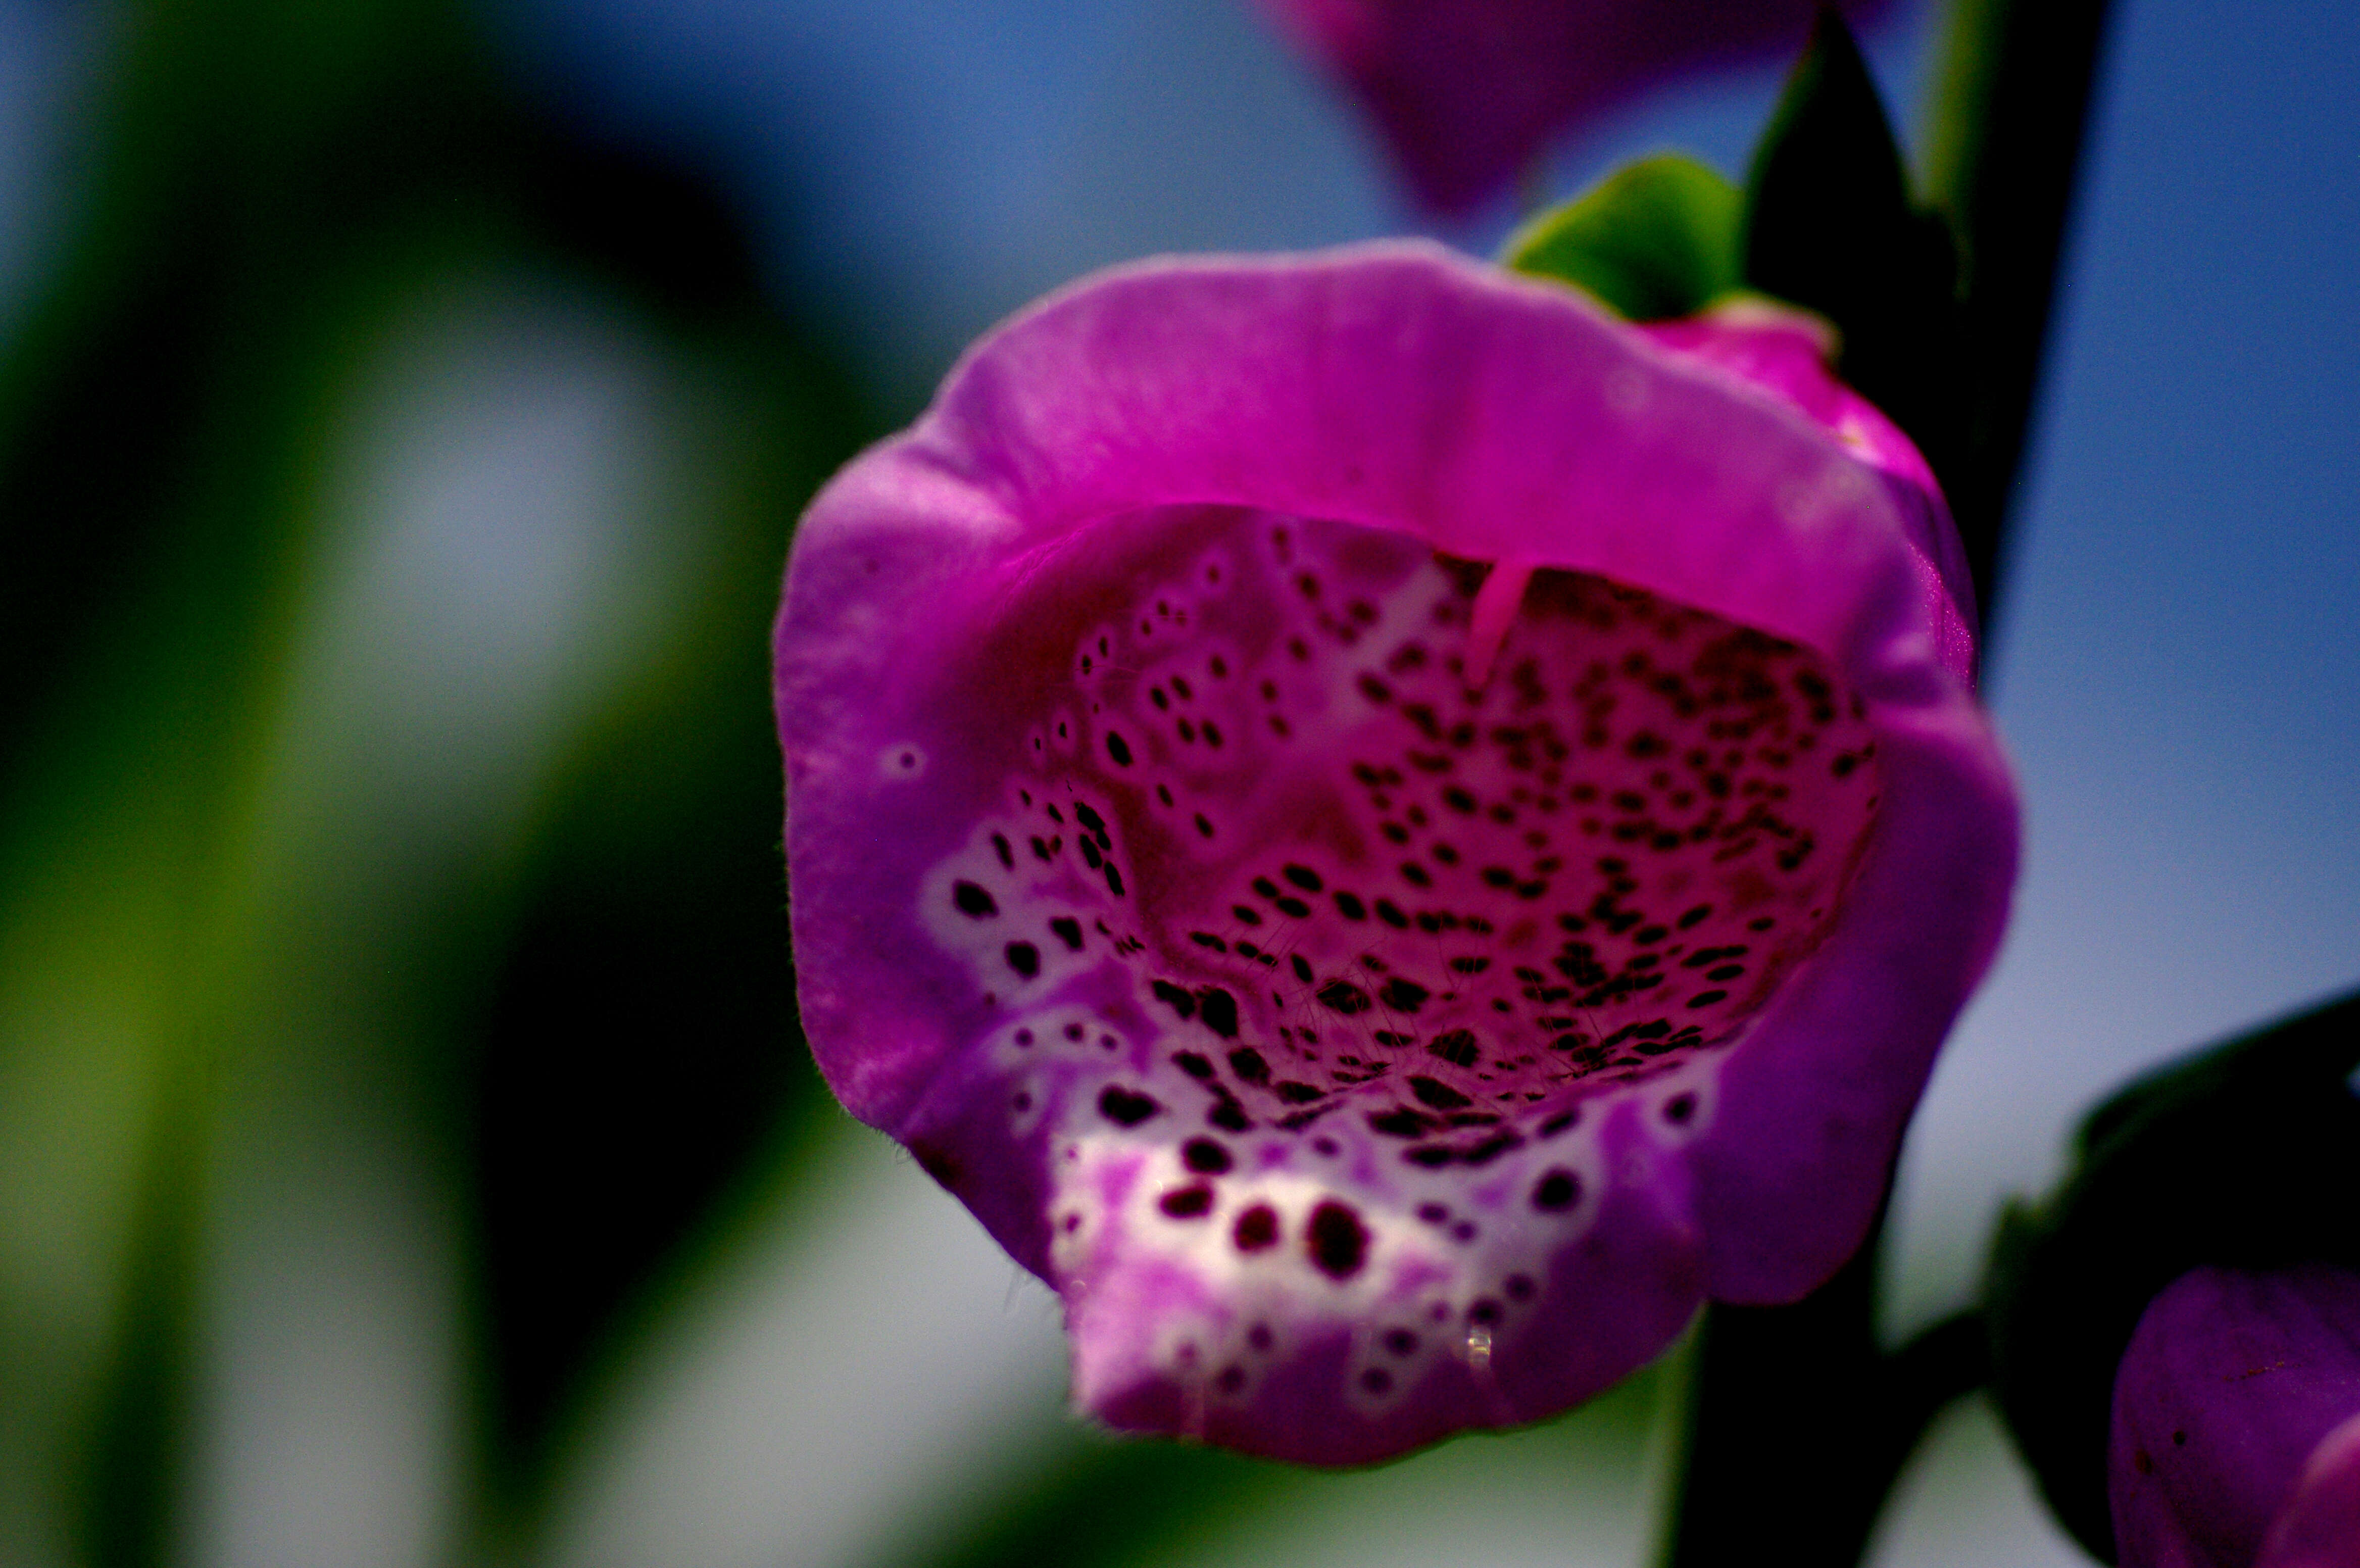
x=1795, y=1425
x=2011, y=117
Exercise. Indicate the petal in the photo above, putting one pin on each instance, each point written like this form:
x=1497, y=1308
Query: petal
x=1169, y=876
x=2232, y=1383
x=2320, y=1526
x=1786, y=353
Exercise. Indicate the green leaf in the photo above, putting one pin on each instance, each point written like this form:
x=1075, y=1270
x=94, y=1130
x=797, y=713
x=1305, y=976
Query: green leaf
x=2244, y=1155
x=1652, y=240
x=1828, y=224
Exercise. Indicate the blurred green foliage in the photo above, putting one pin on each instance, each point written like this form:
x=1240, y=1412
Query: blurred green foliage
x=580, y=1030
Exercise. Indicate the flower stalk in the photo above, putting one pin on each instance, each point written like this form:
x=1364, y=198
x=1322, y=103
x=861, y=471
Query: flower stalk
x=1795, y=1423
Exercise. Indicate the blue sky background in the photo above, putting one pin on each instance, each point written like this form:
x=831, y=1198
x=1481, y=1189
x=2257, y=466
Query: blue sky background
x=2176, y=670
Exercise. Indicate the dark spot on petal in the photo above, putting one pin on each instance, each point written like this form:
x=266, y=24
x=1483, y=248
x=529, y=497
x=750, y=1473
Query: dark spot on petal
x=1114, y=880
x=1220, y=1009
x=1351, y=907
x=1000, y=847
x=1300, y=1094
x=1302, y=967
x=1230, y=1117
x=1249, y=1065
x=1192, y=1064
x=1390, y=913
x=1456, y=1046
x=1118, y=748
x=937, y=1163
x=1439, y=1094
x=1401, y=1122
x=1519, y=1287
x=1256, y=1230
x=1174, y=997
x=1491, y=1149
x=973, y=901
x=1336, y=1239
x=1024, y=958
x=1377, y=1381
x=1204, y=1157
x=1404, y=996
x=1343, y=996
x=1303, y=877
x=1558, y=1190
x=1187, y=1203
x=1401, y=1342
x=1124, y=1109
x=1707, y=998
x=1679, y=1107
x=1067, y=930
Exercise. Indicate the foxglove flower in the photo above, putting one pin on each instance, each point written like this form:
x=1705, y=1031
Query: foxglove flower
x=1466, y=92
x=2236, y=1423
x=1386, y=831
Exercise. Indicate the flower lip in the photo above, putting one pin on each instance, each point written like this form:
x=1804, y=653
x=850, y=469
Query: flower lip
x=1051, y=835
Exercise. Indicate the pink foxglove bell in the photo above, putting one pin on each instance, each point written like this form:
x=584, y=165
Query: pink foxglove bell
x=1387, y=832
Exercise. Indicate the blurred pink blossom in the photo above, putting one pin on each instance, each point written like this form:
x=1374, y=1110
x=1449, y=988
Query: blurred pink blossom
x=1467, y=93
x=2236, y=1423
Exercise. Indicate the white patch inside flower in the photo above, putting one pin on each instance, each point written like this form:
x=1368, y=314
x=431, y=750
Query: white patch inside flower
x=1316, y=962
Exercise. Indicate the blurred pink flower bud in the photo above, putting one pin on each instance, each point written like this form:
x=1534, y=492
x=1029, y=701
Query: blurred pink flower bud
x=1467, y=92
x=2236, y=1424
x=1388, y=832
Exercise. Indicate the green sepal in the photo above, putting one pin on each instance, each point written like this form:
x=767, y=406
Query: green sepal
x=2244, y=1155
x=1653, y=240
x=1828, y=224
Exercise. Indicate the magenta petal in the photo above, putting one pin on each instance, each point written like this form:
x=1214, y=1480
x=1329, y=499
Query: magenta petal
x=2236, y=1423
x=1387, y=832
x=2320, y=1526
x=1467, y=92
